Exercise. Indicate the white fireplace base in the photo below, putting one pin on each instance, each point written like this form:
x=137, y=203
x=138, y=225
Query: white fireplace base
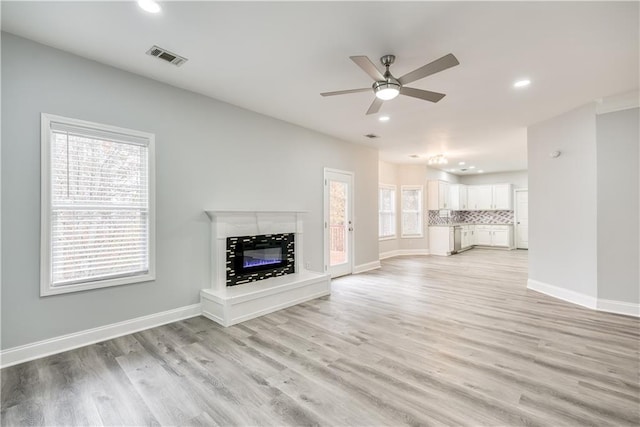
x=236, y=304
x=228, y=305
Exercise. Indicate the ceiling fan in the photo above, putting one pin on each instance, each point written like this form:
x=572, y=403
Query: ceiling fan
x=387, y=87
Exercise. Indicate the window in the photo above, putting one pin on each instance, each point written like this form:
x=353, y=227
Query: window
x=98, y=219
x=412, y=211
x=387, y=211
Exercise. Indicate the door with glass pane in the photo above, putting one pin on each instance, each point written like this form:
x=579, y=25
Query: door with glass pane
x=338, y=222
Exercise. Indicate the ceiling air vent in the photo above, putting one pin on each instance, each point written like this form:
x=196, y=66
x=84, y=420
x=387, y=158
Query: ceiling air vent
x=164, y=54
x=371, y=136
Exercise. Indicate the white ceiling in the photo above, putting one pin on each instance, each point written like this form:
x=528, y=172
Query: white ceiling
x=276, y=57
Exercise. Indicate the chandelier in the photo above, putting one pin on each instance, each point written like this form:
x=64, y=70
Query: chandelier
x=440, y=159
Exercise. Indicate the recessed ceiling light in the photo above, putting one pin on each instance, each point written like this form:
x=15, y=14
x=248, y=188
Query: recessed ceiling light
x=522, y=83
x=461, y=163
x=472, y=167
x=480, y=171
x=149, y=6
x=383, y=118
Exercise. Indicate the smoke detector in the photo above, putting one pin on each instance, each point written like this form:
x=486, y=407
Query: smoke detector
x=165, y=55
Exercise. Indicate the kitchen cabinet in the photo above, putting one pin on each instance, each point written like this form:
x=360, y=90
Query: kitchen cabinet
x=494, y=235
x=438, y=195
x=483, y=235
x=467, y=236
x=441, y=240
x=480, y=197
x=490, y=197
x=458, y=197
x=502, y=197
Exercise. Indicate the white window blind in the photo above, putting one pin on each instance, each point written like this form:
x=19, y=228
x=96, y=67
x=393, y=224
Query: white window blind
x=99, y=206
x=411, y=211
x=386, y=211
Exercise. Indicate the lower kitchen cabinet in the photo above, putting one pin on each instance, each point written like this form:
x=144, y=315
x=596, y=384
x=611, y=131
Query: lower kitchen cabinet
x=468, y=236
x=494, y=235
x=441, y=240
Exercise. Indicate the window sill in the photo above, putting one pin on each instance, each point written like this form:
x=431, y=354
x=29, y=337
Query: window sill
x=47, y=290
x=380, y=239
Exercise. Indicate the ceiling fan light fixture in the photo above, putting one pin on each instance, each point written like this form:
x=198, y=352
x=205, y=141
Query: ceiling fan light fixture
x=386, y=90
x=149, y=6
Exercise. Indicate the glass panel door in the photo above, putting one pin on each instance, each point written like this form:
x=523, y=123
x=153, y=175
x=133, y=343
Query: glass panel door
x=338, y=222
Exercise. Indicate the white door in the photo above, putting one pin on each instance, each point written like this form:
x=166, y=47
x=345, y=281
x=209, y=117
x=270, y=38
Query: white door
x=522, y=219
x=338, y=222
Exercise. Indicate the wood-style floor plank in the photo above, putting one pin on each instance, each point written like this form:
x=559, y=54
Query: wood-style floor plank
x=422, y=341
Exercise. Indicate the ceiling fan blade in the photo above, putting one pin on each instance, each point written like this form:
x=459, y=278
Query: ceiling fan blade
x=436, y=66
x=344, y=92
x=375, y=106
x=368, y=67
x=422, y=94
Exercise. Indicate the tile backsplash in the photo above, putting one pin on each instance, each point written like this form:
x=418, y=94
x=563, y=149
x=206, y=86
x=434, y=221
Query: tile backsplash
x=471, y=217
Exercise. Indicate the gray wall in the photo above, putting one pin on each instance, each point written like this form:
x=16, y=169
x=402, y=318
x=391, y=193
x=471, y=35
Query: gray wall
x=562, y=200
x=519, y=179
x=618, y=191
x=208, y=155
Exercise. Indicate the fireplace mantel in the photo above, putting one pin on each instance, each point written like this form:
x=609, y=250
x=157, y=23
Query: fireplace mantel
x=230, y=305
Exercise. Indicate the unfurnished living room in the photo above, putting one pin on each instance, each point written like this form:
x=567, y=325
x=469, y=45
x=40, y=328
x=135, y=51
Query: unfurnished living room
x=320, y=213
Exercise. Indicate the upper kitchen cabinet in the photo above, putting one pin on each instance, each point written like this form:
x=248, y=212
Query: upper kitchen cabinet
x=490, y=197
x=438, y=195
x=480, y=197
x=458, y=197
x=503, y=197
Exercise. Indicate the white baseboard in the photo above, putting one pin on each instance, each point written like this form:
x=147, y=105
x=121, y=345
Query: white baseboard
x=563, y=294
x=619, y=307
x=403, y=252
x=36, y=350
x=366, y=267
x=610, y=306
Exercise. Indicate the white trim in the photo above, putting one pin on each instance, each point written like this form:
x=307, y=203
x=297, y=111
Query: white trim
x=420, y=212
x=46, y=123
x=396, y=227
x=403, y=252
x=36, y=350
x=619, y=307
x=516, y=215
x=563, y=294
x=361, y=268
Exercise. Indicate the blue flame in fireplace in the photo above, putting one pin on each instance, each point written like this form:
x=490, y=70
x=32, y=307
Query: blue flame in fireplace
x=258, y=257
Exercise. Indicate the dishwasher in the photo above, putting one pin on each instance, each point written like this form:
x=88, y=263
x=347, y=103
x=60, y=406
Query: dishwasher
x=457, y=239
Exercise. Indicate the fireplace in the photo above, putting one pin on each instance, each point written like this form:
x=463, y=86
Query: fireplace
x=253, y=258
x=263, y=252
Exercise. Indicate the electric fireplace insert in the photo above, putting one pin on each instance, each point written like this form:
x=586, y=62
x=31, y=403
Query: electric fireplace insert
x=252, y=258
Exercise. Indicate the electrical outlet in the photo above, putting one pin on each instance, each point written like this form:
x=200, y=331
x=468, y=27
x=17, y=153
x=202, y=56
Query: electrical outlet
x=307, y=265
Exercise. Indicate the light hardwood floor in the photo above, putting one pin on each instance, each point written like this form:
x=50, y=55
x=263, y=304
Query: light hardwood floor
x=422, y=341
